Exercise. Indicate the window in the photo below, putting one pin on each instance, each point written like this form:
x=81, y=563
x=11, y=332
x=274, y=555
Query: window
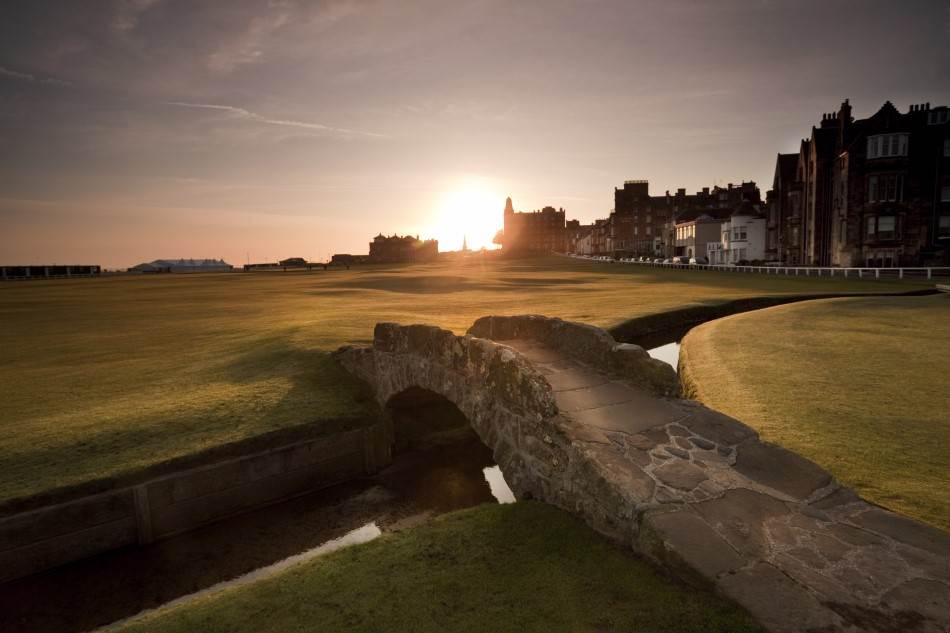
x=938, y=117
x=886, y=225
x=885, y=188
x=945, y=193
x=943, y=228
x=884, y=145
x=882, y=227
x=946, y=147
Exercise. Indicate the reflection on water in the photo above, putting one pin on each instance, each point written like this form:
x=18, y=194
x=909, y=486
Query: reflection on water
x=498, y=485
x=87, y=594
x=669, y=353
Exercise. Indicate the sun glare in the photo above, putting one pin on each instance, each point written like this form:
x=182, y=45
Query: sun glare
x=472, y=211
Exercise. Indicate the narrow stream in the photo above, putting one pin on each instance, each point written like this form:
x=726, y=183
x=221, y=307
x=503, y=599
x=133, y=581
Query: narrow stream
x=665, y=345
x=117, y=585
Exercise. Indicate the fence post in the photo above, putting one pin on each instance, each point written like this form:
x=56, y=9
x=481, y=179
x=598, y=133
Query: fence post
x=900, y=273
x=877, y=273
x=928, y=273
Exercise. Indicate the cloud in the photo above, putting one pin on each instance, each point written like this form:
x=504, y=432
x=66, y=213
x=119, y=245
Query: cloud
x=50, y=81
x=253, y=116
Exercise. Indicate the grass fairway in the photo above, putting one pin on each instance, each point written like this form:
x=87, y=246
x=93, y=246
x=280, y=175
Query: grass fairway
x=858, y=385
x=100, y=377
x=521, y=567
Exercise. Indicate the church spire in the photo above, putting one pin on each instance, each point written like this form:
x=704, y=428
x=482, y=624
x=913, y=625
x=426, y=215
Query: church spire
x=464, y=244
x=508, y=207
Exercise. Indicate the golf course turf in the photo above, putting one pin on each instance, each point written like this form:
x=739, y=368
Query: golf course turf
x=858, y=385
x=107, y=376
x=520, y=567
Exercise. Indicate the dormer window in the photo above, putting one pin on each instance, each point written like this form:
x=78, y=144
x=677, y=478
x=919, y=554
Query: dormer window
x=885, y=145
x=938, y=117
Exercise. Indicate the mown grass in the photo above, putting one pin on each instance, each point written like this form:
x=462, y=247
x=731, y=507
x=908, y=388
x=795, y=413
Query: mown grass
x=100, y=377
x=859, y=385
x=522, y=567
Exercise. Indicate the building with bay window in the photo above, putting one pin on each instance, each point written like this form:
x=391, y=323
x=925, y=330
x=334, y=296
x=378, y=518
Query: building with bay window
x=866, y=192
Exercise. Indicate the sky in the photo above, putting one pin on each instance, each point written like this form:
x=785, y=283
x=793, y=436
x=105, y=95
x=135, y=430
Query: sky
x=132, y=130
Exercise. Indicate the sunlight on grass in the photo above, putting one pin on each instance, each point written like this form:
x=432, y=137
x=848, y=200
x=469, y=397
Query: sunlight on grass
x=104, y=376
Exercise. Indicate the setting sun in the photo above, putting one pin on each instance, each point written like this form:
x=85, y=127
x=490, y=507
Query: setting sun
x=472, y=210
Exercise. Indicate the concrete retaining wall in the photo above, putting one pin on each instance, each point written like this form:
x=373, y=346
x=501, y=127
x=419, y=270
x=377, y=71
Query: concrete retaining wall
x=180, y=501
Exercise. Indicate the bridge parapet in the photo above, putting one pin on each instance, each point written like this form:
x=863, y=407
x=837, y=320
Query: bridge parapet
x=586, y=343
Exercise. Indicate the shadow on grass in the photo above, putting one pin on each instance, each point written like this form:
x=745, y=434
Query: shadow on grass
x=443, y=284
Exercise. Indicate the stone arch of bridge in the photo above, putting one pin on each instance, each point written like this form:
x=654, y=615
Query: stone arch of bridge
x=421, y=419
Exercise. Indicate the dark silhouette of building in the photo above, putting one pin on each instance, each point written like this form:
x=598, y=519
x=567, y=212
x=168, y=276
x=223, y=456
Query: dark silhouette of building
x=641, y=224
x=345, y=259
x=293, y=262
x=49, y=271
x=867, y=192
x=541, y=231
x=402, y=249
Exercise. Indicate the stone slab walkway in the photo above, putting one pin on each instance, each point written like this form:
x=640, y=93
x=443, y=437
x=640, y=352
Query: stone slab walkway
x=764, y=526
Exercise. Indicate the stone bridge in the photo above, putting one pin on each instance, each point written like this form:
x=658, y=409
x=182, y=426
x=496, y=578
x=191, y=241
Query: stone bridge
x=597, y=428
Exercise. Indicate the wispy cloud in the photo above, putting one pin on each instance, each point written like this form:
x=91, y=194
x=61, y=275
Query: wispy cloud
x=253, y=116
x=15, y=74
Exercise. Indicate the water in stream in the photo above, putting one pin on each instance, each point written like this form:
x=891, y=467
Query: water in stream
x=665, y=345
x=88, y=594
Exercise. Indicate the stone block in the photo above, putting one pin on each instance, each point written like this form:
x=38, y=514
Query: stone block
x=740, y=516
x=780, y=469
x=680, y=474
x=717, y=427
x=778, y=602
x=905, y=530
x=682, y=540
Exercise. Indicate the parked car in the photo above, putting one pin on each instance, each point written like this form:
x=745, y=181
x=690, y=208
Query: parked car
x=681, y=260
x=702, y=261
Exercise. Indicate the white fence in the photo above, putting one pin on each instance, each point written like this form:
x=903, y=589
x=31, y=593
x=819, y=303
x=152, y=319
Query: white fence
x=799, y=271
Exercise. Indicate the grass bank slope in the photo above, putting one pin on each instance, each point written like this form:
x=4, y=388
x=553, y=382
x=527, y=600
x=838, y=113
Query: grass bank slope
x=522, y=567
x=859, y=385
x=100, y=377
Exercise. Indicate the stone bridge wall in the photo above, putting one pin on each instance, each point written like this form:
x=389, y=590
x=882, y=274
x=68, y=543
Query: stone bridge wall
x=508, y=402
x=582, y=423
x=587, y=344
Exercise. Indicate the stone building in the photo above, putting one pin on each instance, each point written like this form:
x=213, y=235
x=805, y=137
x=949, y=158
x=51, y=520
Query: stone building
x=543, y=231
x=641, y=224
x=397, y=249
x=866, y=192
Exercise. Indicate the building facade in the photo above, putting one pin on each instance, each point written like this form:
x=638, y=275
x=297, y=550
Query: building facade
x=397, y=249
x=868, y=192
x=743, y=239
x=645, y=225
x=534, y=232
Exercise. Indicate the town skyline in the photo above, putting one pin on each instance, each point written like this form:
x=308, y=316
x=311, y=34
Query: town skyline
x=139, y=131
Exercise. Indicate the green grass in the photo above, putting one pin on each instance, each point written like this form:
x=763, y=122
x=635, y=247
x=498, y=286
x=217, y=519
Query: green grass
x=100, y=377
x=522, y=567
x=858, y=385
